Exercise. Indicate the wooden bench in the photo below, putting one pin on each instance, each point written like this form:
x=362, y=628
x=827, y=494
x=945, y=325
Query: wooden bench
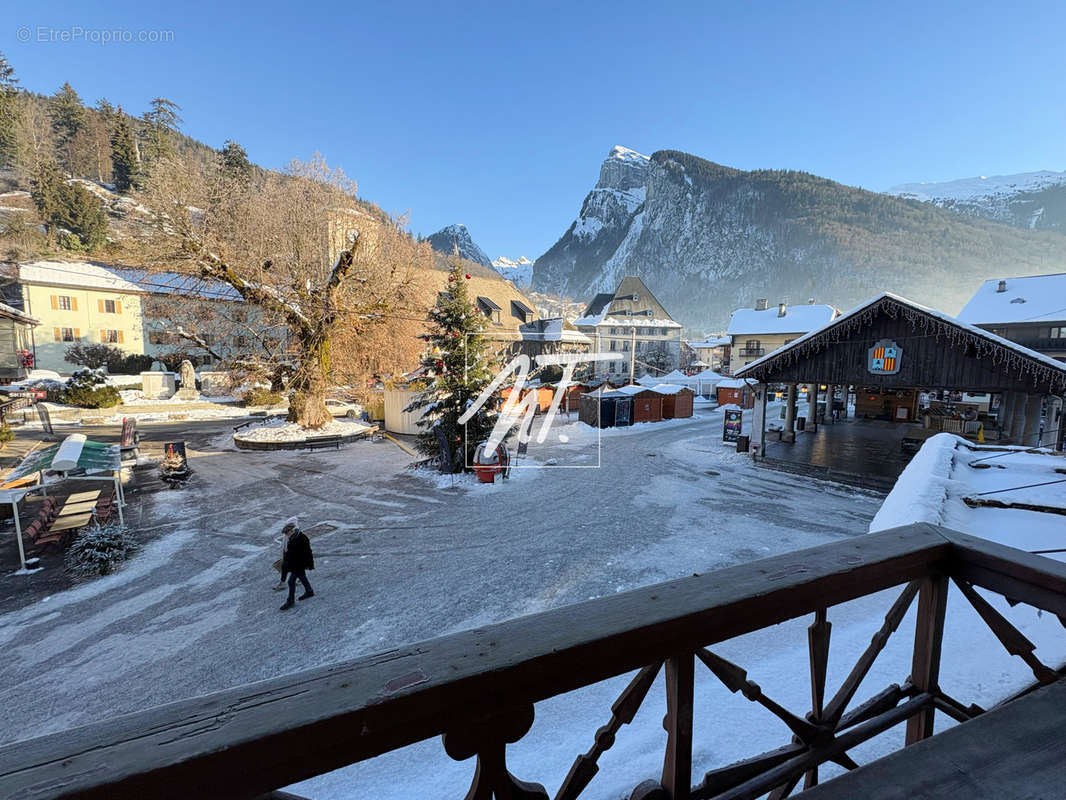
x=1012, y=752
x=320, y=442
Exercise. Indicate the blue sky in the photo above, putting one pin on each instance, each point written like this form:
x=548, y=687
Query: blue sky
x=498, y=114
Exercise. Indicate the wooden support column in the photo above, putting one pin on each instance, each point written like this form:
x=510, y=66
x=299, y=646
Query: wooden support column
x=1017, y=425
x=1053, y=429
x=758, y=422
x=790, y=414
x=677, y=766
x=1006, y=412
x=925, y=662
x=1031, y=432
x=830, y=390
x=812, y=407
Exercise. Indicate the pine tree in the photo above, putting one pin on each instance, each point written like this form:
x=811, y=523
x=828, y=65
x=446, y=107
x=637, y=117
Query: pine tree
x=235, y=163
x=70, y=210
x=125, y=164
x=82, y=213
x=459, y=362
x=10, y=114
x=68, y=120
x=160, y=124
x=46, y=189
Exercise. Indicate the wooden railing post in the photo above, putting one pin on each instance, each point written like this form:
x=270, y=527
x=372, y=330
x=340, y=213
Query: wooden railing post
x=925, y=663
x=677, y=766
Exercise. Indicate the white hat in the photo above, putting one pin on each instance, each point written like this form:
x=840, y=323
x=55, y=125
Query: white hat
x=291, y=522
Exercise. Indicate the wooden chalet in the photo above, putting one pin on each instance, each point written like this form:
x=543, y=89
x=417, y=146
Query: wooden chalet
x=647, y=403
x=677, y=400
x=889, y=353
x=606, y=408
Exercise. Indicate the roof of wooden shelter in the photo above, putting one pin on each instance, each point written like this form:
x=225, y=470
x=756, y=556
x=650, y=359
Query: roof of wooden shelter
x=953, y=353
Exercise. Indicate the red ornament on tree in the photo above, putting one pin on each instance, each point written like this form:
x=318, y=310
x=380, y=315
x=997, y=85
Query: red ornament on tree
x=468, y=276
x=451, y=278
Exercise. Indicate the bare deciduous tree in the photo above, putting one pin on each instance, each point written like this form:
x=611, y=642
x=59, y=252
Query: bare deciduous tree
x=297, y=245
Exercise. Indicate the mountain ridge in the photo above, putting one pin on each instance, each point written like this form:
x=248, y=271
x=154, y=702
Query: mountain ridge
x=708, y=238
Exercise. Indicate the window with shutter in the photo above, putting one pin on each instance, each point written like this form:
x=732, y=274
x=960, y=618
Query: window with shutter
x=77, y=333
x=58, y=335
x=118, y=306
x=121, y=338
x=73, y=304
x=55, y=303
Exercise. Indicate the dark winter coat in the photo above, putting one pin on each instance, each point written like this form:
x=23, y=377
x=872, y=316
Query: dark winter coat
x=298, y=553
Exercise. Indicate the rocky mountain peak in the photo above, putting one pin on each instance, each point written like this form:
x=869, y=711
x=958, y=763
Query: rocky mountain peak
x=456, y=238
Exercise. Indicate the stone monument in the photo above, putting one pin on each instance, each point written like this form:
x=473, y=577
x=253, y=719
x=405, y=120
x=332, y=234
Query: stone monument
x=188, y=382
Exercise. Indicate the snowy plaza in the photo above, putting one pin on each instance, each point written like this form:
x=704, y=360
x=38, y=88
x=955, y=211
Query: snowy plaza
x=406, y=555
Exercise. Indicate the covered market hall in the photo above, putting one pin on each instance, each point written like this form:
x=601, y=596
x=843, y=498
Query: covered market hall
x=897, y=373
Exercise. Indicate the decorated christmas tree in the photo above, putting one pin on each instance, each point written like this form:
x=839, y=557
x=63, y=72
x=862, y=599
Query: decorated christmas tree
x=459, y=364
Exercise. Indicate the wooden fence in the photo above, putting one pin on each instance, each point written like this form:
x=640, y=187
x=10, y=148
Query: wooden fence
x=477, y=688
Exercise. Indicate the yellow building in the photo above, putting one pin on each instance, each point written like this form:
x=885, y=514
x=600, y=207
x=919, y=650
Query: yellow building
x=754, y=332
x=79, y=302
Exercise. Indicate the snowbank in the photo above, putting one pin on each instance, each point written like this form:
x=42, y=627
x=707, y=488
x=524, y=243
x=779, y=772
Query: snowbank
x=921, y=491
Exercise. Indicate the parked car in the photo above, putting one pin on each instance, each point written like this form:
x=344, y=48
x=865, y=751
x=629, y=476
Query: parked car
x=342, y=408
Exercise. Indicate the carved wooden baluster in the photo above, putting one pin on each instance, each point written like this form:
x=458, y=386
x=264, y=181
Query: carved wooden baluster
x=818, y=651
x=677, y=765
x=736, y=679
x=834, y=709
x=487, y=739
x=622, y=712
x=925, y=661
x=1010, y=637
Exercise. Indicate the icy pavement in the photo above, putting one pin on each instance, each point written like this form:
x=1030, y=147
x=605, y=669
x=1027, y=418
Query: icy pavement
x=403, y=557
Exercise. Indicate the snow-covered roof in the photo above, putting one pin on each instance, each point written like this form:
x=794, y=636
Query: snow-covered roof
x=796, y=319
x=632, y=389
x=720, y=341
x=82, y=274
x=551, y=330
x=90, y=275
x=669, y=388
x=1034, y=298
x=1043, y=360
x=948, y=470
x=18, y=316
x=735, y=383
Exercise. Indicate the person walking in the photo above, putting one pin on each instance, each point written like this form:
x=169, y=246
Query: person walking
x=295, y=562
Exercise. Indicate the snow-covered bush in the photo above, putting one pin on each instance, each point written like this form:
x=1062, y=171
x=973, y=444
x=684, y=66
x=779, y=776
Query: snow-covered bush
x=88, y=388
x=99, y=549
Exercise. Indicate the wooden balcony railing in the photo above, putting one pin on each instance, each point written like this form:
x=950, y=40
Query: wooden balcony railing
x=751, y=351
x=477, y=688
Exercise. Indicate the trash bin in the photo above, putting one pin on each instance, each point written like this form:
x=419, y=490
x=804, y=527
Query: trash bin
x=801, y=423
x=743, y=443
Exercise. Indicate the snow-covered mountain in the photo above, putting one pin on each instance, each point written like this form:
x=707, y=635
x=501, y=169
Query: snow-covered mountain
x=456, y=238
x=577, y=258
x=1034, y=200
x=708, y=239
x=518, y=271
